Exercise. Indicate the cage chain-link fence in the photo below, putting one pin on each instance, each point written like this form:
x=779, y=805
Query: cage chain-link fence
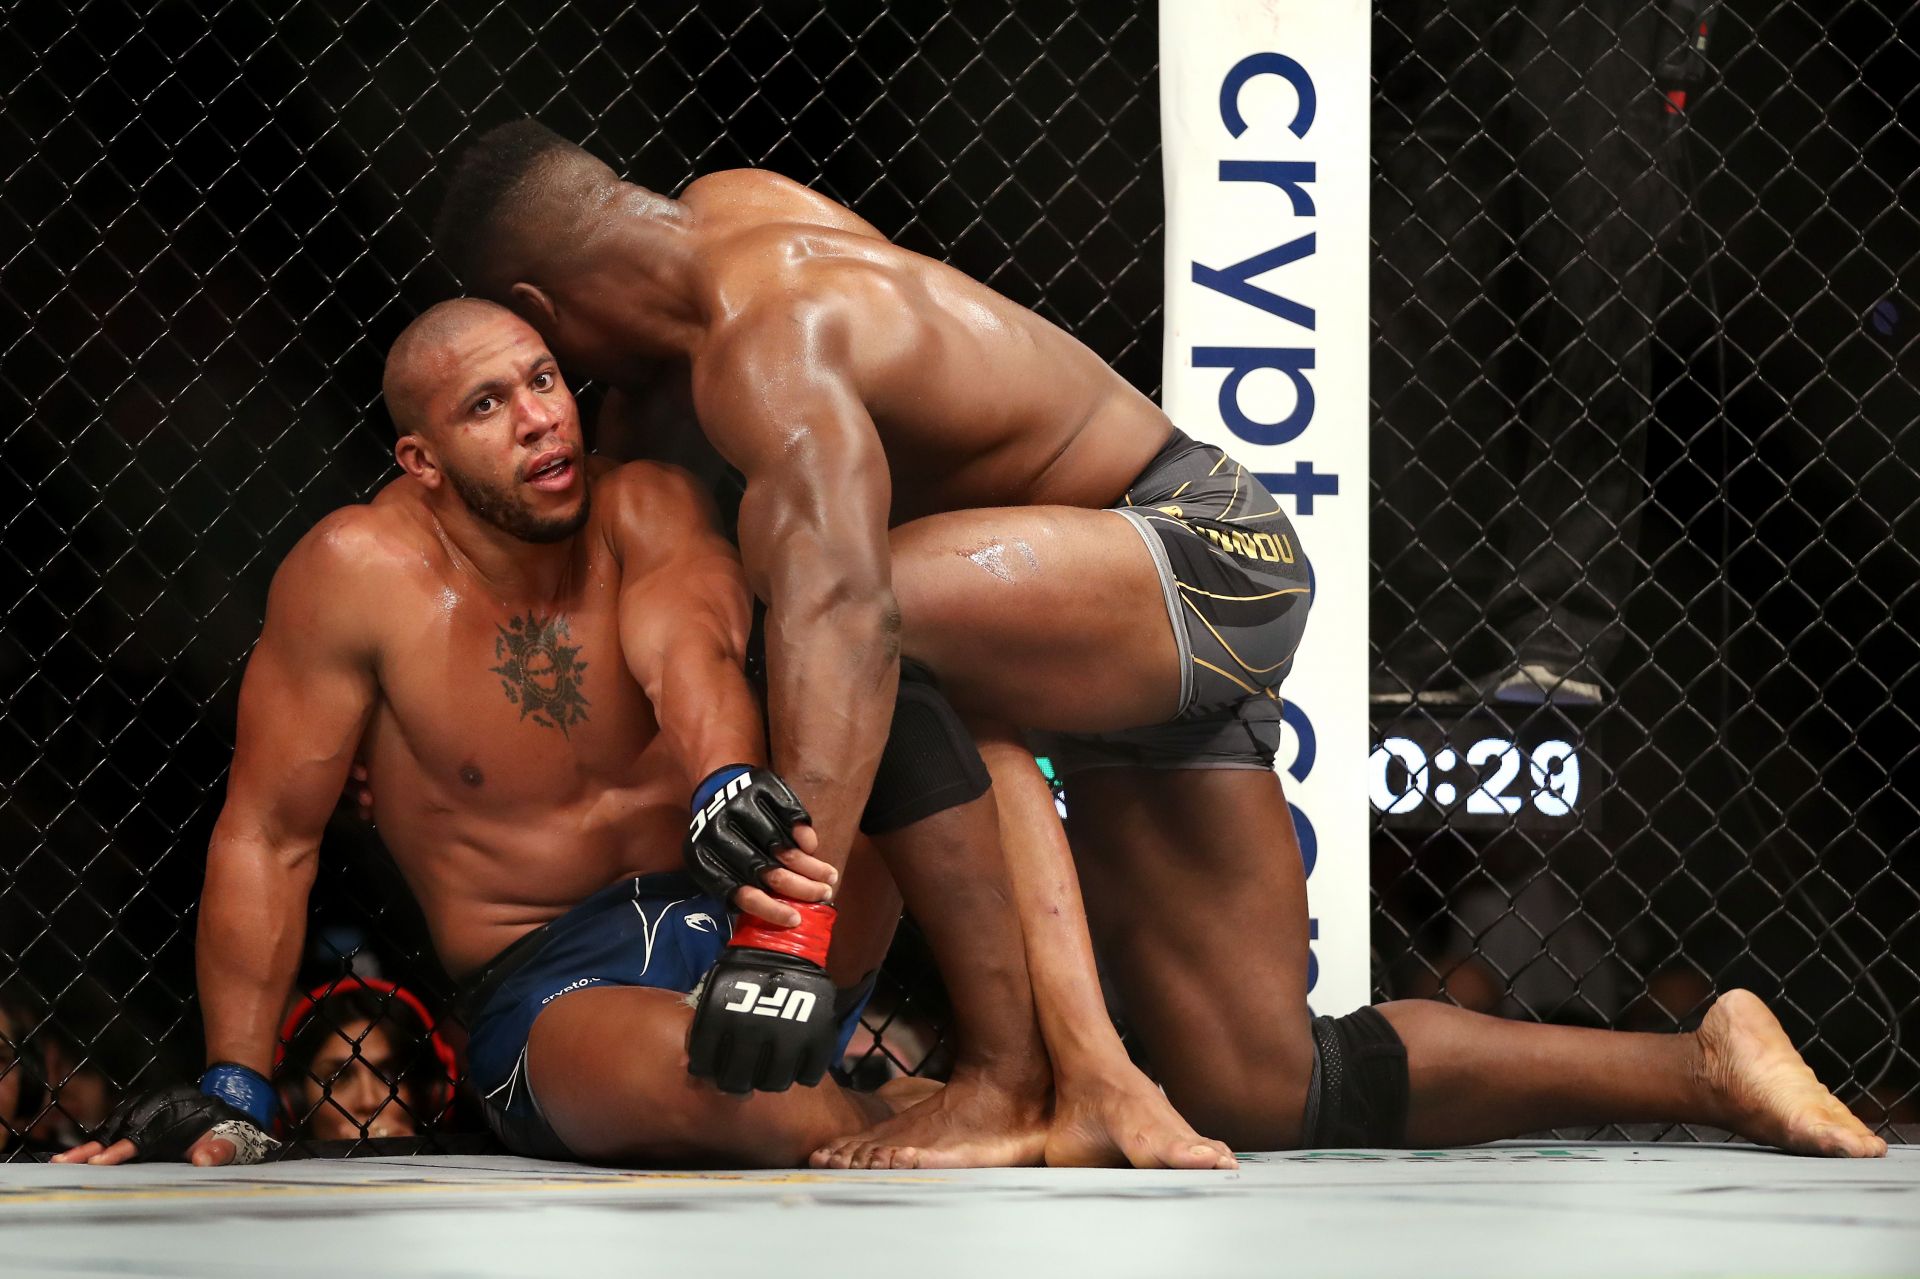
x=1644, y=518
x=215, y=219
x=214, y=223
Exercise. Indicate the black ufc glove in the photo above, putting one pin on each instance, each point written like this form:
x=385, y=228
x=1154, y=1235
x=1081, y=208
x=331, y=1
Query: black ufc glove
x=741, y=817
x=763, y=1017
x=165, y=1124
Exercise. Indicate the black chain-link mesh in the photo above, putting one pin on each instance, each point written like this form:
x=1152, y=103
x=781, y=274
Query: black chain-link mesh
x=214, y=224
x=1645, y=405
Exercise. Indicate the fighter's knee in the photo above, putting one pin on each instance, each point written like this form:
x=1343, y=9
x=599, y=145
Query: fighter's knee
x=1361, y=1090
x=929, y=763
x=1346, y=1087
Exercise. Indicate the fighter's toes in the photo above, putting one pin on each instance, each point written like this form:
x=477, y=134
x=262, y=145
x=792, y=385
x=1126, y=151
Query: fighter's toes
x=1844, y=1137
x=1178, y=1149
x=1204, y=1154
x=838, y=1154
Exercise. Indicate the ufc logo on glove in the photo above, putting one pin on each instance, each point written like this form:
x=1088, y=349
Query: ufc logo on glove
x=798, y=1008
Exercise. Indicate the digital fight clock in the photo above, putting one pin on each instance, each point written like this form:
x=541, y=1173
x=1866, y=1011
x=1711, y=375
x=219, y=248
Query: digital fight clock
x=1532, y=766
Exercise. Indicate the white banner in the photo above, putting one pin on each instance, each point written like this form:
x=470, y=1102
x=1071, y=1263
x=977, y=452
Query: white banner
x=1263, y=111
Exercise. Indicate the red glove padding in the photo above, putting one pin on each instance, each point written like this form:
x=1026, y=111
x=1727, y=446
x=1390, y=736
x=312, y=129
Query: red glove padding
x=763, y=1016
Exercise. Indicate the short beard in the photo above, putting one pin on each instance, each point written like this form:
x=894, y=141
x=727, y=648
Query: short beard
x=505, y=512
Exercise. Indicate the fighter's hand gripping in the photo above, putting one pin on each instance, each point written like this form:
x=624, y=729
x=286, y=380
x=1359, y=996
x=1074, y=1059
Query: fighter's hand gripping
x=763, y=1017
x=748, y=845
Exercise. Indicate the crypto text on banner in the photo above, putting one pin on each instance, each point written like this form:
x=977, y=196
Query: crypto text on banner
x=1263, y=107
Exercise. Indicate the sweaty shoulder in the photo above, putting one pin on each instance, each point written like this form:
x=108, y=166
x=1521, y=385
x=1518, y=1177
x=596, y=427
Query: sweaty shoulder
x=339, y=589
x=650, y=501
x=749, y=196
x=361, y=548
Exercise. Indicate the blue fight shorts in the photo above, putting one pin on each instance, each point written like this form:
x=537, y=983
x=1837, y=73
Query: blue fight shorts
x=656, y=930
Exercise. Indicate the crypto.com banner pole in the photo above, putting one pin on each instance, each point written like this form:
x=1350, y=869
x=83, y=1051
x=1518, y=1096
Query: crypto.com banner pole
x=1263, y=111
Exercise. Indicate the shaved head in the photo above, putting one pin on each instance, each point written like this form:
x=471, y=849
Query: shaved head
x=420, y=356
x=480, y=405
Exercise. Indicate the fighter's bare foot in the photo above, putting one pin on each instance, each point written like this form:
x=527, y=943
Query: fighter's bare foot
x=1121, y=1118
x=1765, y=1092
x=971, y=1123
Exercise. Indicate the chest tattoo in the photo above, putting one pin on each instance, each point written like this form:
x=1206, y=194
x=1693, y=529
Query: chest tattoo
x=540, y=671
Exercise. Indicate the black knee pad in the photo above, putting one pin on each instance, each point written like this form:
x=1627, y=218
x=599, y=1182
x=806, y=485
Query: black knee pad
x=1358, y=1093
x=930, y=763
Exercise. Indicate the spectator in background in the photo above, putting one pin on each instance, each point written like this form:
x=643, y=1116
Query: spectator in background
x=22, y=1075
x=81, y=1095
x=1521, y=190
x=361, y=1057
x=52, y=1091
x=1528, y=950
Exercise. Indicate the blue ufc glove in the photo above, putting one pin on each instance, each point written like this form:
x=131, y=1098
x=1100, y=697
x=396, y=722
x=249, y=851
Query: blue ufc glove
x=232, y=1102
x=741, y=816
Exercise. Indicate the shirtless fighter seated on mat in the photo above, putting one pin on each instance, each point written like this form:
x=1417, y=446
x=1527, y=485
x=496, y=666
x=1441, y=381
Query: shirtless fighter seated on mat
x=931, y=469
x=539, y=656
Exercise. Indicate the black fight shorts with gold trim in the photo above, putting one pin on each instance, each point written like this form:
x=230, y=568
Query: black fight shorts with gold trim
x=1237, y=588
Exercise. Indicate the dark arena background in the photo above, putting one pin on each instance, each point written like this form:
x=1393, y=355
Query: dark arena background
x=213, y=224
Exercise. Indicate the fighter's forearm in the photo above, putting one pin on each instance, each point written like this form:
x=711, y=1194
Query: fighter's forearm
x=707, y=711
x=252, y=922
x=1066, y=982
x=833, y=663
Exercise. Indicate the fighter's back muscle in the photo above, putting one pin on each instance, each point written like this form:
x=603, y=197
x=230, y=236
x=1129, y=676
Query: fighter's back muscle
x=975, y=398
x=743, y=198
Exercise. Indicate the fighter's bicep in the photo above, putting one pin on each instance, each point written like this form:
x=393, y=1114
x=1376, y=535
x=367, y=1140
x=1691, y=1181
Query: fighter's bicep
x=780, y=403
x=679, y=576
x=699, y=602
x=305, y=700
x=825, y=495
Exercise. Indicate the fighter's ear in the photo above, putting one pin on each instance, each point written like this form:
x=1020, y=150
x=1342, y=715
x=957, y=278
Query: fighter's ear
x=531, y=303
x=417, y=460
